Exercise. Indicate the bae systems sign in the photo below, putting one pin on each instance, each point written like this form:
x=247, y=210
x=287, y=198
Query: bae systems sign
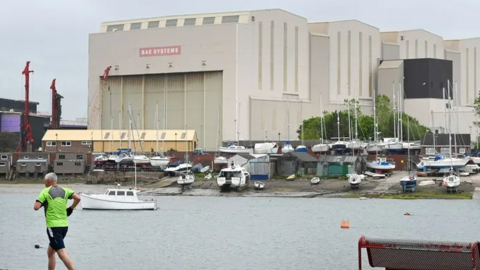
x=160, y=51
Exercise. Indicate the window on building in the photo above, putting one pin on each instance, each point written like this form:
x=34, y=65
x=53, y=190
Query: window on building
x=135, y=26
x=61, y=156
x=38, y=164
x=26, y=157
x=123, y=135
x=40, y=157
x=230, y=19
x=209, y=20
x=142, y=137
x=66, y=143
x=171, y=23
x=78, y=164
x=153, y=24
x=106, y=135
x=59, y=163
x=23, y=164
x=129, y=193
x=4, y=157
x=50, y=143
x=190, y=21
x=2, y=164
x=115, y=27
x=184, y=135
x=86, y=143
x=79, y=157
x=164, y=134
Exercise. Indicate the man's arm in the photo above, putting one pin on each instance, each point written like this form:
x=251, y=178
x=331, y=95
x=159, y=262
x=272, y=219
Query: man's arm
x=76, y=200
x=39, y=202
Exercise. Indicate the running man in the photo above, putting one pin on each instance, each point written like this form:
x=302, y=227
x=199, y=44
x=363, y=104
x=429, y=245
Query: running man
x=54, y=201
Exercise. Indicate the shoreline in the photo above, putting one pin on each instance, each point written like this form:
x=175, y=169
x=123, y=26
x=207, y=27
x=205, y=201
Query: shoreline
x=388, y=188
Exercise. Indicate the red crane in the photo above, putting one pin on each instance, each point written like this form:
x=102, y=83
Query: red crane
x=26, y=137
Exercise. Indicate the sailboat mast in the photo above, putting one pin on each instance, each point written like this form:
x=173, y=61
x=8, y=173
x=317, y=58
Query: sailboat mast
x=449, y=123
x=288, y=120
x=338, y=125
x=394, y=112
x=349, y=122
x=400, y=113
x=129, y=126
x=408, y=143
x=456, y=120
x=374, y=118
x=156, y=124
x=120, y=128
x=301, y=117
x=356, y=121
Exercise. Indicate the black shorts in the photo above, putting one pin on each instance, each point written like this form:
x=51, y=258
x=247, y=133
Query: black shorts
x=56, y=236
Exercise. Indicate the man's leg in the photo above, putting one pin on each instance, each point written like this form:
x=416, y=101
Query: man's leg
x=63, y=255
x=51, y=258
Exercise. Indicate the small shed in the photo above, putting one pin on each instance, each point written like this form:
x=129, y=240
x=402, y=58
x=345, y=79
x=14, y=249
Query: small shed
x=35, y=166
x=340, y=165
x=6, y=161
x=286, y=164
x=306, y=163
x=257, y=165
x=69, y=163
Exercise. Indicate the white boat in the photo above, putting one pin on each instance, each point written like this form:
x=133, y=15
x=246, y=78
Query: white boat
x=381, y=163
x=354, y=180
x=116, y=199
x=141, y=159
x=266, y=148
x=220, y=160
x=393, y=145
x=234, y=176
x=287, y=148
x=234, y=149
x=185, y=180
x=375, y=147
x=180, y=169
x=159, y=161
x=339, y=146
x=124, y=157
x=451, y=181
x=320, y=148
x=442, y=162
x=259, y=185
x=315, y=181
x=354, y=145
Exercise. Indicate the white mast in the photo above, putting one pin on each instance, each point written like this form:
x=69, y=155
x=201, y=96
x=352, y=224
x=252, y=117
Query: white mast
x=338, y=125
x=374, y=118
x=349, y=122
x=301, y=117
x=157, y=126
x=400, y=113
x=394, y=112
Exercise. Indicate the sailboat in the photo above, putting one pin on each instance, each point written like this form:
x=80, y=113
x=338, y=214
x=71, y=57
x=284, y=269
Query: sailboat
x=375, y=146
x=287, y=147
x=353, y=144
x=159, y=160
x=338, y=146
x=266, y=147
x=186, y=179
x=394, y=144
x=321, y=147
x=452, y=180
x=408, y=182
x=219, y=159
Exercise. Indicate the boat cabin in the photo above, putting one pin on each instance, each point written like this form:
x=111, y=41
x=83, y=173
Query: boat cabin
x=128, y=195
x=234, y=171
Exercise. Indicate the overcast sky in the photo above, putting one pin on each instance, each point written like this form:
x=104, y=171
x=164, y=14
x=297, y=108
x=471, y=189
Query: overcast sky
x=53, y=34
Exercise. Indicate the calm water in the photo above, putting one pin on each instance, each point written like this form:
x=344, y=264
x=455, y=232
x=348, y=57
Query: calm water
x=229, y=233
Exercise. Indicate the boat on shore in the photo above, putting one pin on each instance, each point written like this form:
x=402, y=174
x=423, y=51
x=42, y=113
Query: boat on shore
x=234, y=176
x=259, y=185
x=116, y=199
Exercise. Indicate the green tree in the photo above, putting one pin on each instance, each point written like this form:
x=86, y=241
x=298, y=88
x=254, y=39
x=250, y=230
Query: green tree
x=8, y=141
x=476, y=107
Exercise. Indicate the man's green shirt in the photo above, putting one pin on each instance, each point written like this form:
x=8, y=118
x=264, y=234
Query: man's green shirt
x=54, y=200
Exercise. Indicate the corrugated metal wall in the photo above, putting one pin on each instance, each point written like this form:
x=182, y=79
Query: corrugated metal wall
x=192, y=99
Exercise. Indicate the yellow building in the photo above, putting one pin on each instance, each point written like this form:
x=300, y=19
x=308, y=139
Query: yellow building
x=64, y=140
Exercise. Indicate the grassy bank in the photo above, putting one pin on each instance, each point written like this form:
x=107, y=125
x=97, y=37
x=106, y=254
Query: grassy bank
x=424, y=194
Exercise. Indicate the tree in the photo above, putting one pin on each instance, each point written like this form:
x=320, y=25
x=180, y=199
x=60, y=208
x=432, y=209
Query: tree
x=476, y=107
x=8, y=141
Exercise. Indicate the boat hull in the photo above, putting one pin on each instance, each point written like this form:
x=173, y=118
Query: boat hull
x=320, y=148
x=100, y=202
x=159, y=162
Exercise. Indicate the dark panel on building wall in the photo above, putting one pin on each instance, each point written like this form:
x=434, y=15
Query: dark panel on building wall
x=16, y=105
x=10, y=122
x=38, y=130
x=425, y=78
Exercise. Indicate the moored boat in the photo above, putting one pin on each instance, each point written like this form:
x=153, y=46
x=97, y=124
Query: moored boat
x=116, y=199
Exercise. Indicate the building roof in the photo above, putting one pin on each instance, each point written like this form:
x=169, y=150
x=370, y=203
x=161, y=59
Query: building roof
x=246, y=156
x=390, y=64
x=338, y=159
x=305, y=157
x=442, y=140
x=115, y=135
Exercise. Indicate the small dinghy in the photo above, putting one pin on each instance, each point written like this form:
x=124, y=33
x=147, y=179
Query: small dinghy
x=315, y=181
x=259, y=185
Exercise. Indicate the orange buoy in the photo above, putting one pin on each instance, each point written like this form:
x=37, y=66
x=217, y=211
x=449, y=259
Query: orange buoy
x=345, y=224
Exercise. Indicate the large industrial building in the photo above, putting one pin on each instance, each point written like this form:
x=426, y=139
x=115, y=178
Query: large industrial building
x=244, y=75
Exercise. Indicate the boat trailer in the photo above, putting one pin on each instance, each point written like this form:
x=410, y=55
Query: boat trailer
x=395, y=254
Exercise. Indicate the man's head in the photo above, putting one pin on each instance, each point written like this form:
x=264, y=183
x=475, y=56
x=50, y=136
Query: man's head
x=50, y=179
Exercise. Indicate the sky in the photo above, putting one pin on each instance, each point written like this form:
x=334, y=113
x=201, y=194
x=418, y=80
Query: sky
x=53, y=34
